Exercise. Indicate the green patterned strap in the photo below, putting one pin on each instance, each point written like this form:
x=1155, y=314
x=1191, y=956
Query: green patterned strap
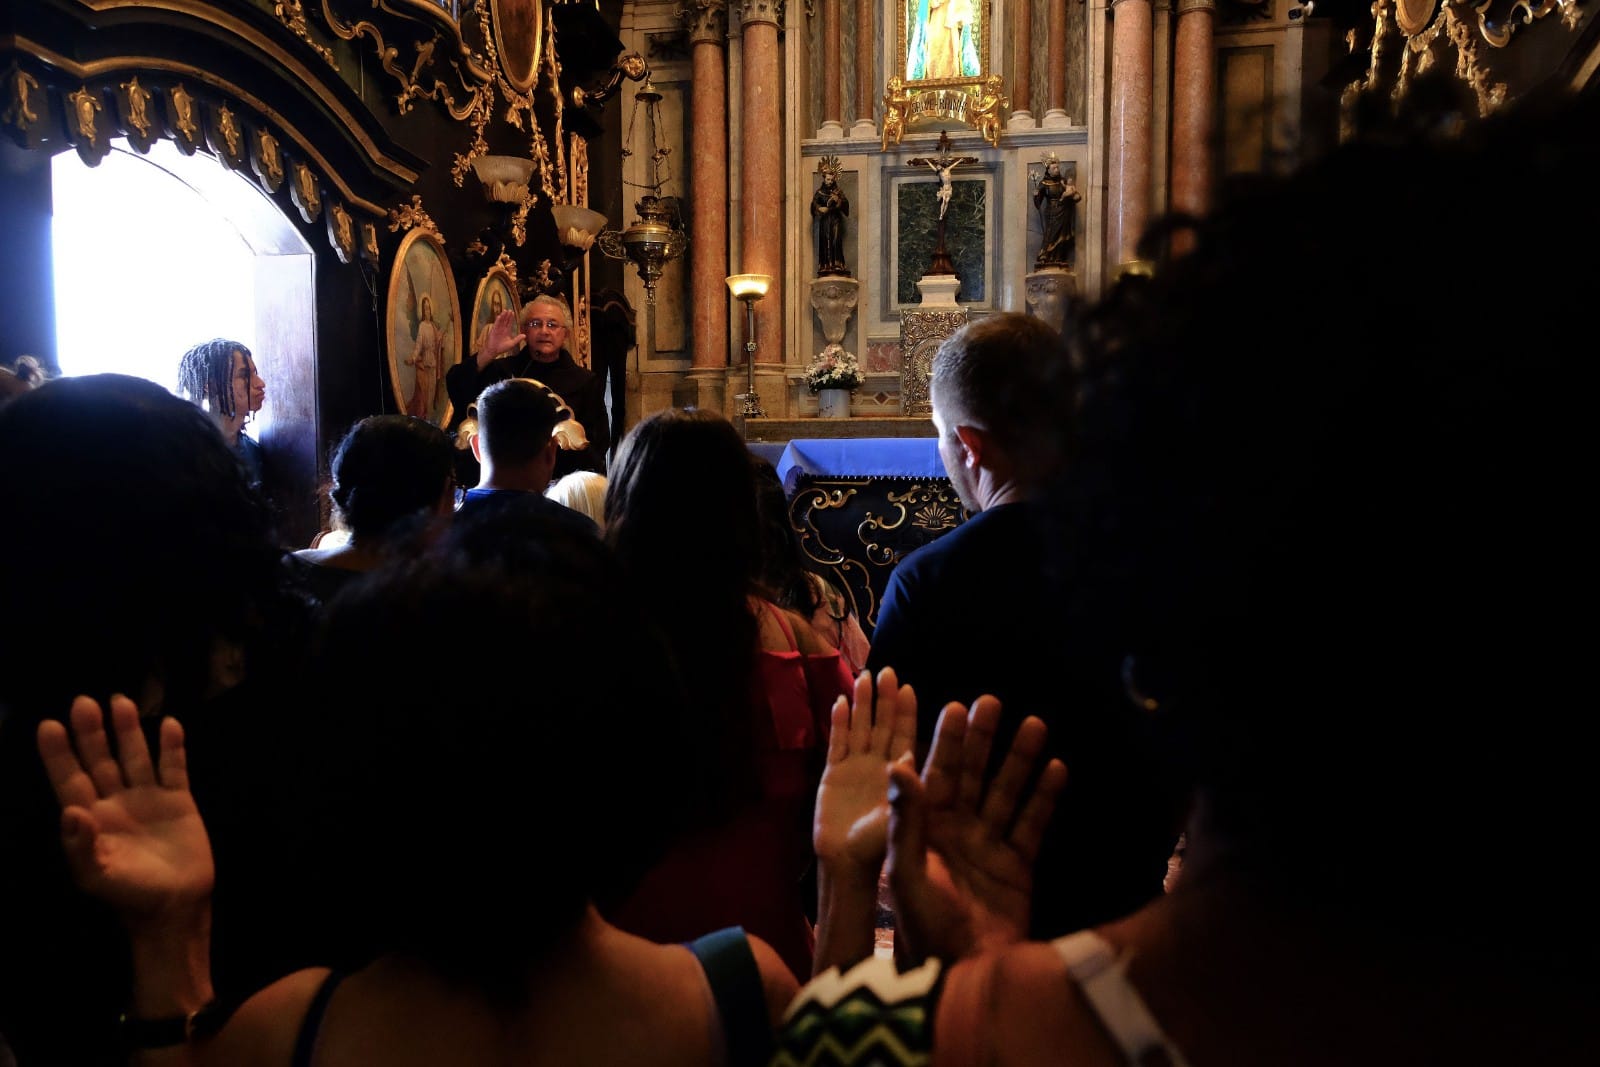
x=870, y=1014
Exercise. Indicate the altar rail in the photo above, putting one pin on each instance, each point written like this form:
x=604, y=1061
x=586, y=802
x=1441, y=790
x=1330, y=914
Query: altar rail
x=861, y=505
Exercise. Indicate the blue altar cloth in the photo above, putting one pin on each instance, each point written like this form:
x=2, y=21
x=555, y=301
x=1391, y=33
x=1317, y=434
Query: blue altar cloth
x=864, y=457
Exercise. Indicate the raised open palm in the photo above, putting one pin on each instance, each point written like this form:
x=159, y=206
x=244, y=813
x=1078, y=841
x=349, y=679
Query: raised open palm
x=852, y=815
x=131, y=831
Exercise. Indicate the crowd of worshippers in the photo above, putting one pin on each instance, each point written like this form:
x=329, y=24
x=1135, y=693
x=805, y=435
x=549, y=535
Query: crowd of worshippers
x=1267, y=555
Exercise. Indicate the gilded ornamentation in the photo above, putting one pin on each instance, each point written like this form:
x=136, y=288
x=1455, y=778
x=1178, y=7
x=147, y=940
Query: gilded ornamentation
x=581, y=331
x=896, y=104
x=985, y=111
x=541, y=280
x=184, y=120
x=558, y=103
x=292, y=14
x=303, y=191
x=369, y=243
x=407, y=216
x=228, y=128
x=267, y=160
x=475, y=75
x=921, y=333
x=341, y=232
x=136, y=102
x=84, y=109
x=507, y=264
x=579, y=164
x=19, y=110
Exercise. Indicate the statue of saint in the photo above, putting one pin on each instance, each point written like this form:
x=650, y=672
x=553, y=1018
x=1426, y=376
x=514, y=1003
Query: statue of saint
x=829, y=206
x=1057, y=198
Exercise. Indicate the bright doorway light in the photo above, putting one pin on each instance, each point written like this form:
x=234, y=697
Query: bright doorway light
x=147, y=265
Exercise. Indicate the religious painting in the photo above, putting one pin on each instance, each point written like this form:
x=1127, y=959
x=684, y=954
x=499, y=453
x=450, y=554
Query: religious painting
x=943, y=42
x=424, y=326
x=518, y=31
x=497, y=292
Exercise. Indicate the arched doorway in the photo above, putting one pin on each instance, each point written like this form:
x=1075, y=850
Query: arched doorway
x=156, y=251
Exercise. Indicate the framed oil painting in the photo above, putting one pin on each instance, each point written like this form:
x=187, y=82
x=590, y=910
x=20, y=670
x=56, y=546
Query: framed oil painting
x=518, y=33
x=497, y=291
x=943, y=42
x=424, y=326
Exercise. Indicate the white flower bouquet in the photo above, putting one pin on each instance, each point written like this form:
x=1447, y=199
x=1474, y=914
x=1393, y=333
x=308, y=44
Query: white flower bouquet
x=833, y=368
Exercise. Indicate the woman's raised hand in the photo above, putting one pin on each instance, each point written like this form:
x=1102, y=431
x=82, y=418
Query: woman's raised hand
x=130, y=828
x=961, y=852
x=852, y=815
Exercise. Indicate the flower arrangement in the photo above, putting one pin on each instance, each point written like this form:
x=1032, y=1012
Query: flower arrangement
x=833, y=368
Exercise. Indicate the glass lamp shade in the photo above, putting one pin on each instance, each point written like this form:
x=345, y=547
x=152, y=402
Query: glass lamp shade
x=577, y=226
x=749, y=286
x=504, y=178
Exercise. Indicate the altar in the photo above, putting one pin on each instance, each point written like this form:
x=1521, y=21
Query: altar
x=861, y=504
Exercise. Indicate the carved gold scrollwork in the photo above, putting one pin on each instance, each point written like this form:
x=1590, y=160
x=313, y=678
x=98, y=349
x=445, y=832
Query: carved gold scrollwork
x=303, y=191
x=20, y=89
x=921, y=333
x=185, y=121
x=266, y=160
x=135, y=100
x=413, y=216
x=341, y=232
x=85, y=109
x=369, y=243
x=292, y=14
x=419, y=82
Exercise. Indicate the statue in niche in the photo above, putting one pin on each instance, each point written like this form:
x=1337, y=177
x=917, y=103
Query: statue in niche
x=829, y=206
x=1056, y=197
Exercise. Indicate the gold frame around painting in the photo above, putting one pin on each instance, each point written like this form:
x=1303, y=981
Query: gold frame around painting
x=498, y=279
x=518, y=38
x=914, y=18
x=404, y=307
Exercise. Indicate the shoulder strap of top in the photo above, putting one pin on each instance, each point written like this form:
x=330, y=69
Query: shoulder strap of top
x=1103, y=978
x=783, y=624
x=741, y=998
x=306, y=1041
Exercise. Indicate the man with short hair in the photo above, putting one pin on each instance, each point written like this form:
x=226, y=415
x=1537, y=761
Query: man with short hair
x=538, y=352
x=985, y=608
x=516, y=444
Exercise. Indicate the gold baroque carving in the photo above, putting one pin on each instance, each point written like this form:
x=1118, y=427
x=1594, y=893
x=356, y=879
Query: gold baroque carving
x=341, y=232
x=136, y=103
x=413, y=215
x=369, y=243
x=412, y=88
x=292, y=14
x=266, y=160
x=553, y=68
x=920, y=335
x=303, y=191
x=19, y=111
x=85, y=108
x=184, y=121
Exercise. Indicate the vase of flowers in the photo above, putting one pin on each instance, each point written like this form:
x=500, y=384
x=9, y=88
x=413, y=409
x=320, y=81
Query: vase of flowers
x=833, y=375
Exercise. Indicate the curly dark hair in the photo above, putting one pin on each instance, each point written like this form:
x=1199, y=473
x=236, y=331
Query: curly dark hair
x=388, y=469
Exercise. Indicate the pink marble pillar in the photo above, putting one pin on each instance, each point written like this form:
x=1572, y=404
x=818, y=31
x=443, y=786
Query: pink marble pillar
x=831, y=69
x=1022, y=56
x=1194, y=84
x=708, y=181
x=1128, y=136
x=762, y=179
x=1056, y=75
x=866, y=86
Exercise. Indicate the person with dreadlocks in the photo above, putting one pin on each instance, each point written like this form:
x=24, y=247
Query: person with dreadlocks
x=220, y=377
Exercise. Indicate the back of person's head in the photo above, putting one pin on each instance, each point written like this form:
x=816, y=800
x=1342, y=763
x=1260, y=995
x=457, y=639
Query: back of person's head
x=388, y=472
x=1340, y=508
x=697, y=565
x=582, y=491
x=1008, y=374
x=517, y=418
x=428, y=777
x=783, y=571
x=131, y=543
x=205, y=374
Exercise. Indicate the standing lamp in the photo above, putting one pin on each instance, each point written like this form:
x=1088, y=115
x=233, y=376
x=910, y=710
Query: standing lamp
x=749, y=288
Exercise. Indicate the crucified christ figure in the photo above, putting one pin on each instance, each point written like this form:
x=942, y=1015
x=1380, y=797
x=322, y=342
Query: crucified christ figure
x=942, y=164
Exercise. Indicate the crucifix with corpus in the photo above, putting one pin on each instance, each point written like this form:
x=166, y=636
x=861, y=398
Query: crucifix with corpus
x=942, y=164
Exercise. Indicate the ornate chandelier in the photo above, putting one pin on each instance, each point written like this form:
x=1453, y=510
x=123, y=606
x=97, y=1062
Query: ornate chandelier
x=656, y=237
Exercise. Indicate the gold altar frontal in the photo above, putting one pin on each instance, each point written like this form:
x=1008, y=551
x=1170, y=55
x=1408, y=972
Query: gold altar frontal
x=790, y=429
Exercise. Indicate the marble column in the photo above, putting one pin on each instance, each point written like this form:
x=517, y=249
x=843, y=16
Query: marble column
x=1128, y=134
x=866, y=85
x=762, y=177
x=832, y=71
x=1161, y=107
x=708, y=181
x=1055, y=113
x=1193, y=111
x=1022, y=65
